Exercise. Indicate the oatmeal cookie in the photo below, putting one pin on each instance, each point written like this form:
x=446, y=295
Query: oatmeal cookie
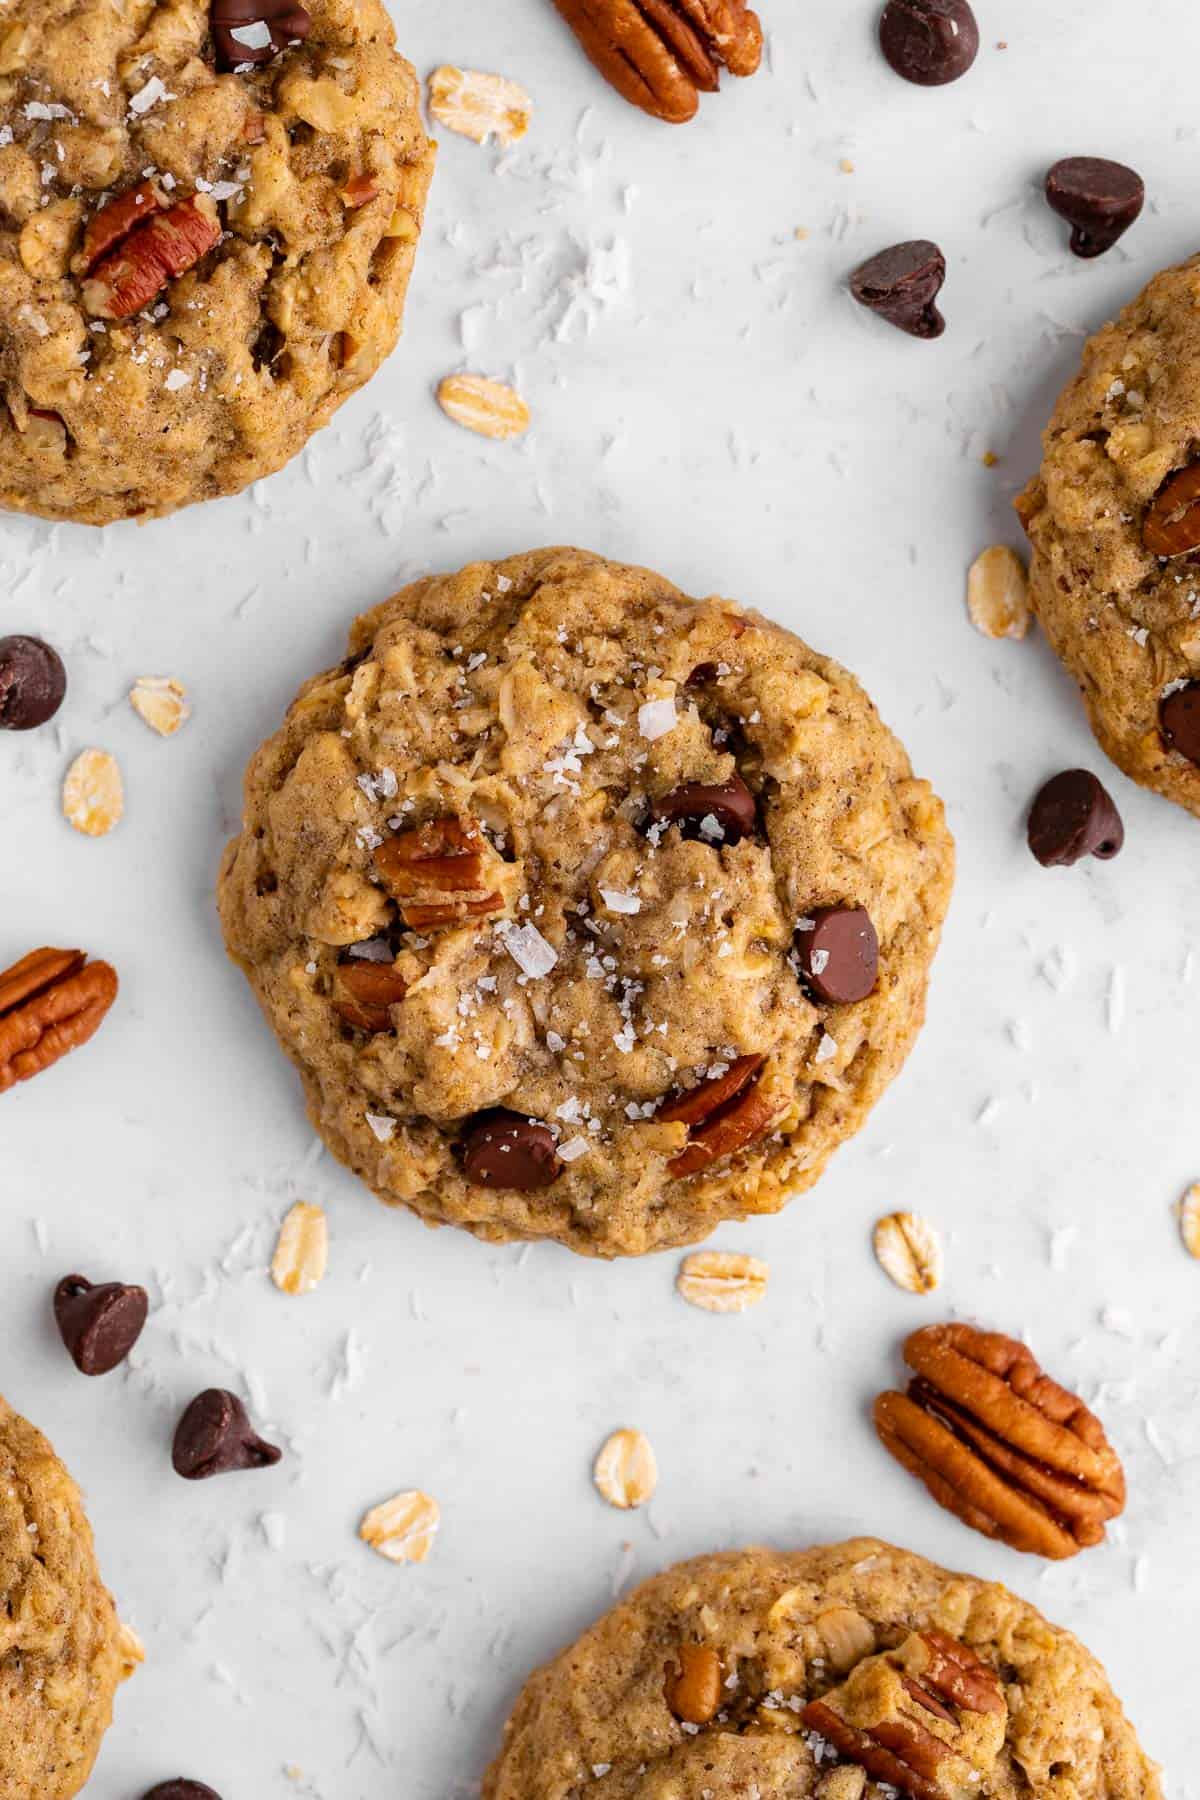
x=586, y=911
x=1115, y=578
x=209, y=211
x=60, y=1651
x=837, y=1673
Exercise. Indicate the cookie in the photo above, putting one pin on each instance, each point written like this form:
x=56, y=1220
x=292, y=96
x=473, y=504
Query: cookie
x=585, y=910
x=848, y=1671
x=207, y=225
x=1115, y=577
x=61, y=1657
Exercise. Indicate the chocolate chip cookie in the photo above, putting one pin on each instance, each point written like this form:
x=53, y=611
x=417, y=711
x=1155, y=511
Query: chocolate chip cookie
x=208, y=219
x=837, y=1673
x=586, y=911
x=1114, y=520
x=60, y=1651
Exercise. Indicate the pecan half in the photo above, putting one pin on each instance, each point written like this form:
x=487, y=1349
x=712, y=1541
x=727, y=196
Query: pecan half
x=365, y=993
x=51, y=1002
x=150, y=255
x=113, y=222
x=899, y=1752
x=953, y=1670
x=1001, y=1445
x=1172, y=525
x=722, y=1114
x=663, y=54
x=436, y=874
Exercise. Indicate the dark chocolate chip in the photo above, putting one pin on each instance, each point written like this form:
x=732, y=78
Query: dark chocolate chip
x=215, y=1437
x=694, y=806
x=503, y=1149
x=180, y=1789
x=1179, y=721
x=99, y=1324
x=901, y=285
x=930, y=42
x=1073, y=816
x=32, y=683
x=838, y=953
x=286, y=22
x=1099, y=200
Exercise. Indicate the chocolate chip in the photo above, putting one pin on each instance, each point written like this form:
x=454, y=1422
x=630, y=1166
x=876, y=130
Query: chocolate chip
x=1179, y=721
x=285, y=21
x=215, y=1437
x=99, y=1324
x=901, y=285
x=179, y=1789
x=32, y=683
x=1098, y=199
x=724, y=814
x=1073, y=816
x=838, y=953
x=503, y=1149
x=930, y=42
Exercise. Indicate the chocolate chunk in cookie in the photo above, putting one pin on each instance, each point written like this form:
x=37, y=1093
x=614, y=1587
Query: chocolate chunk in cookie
x=1179, y=720
x=901, y=285
x=929, y=42
x=99, y=1324
x=723, y=814
x=838, y=952
x=33, y=683
x=253, y=31
x=1073, y=816
x=504, y=1150
x=1099, y=200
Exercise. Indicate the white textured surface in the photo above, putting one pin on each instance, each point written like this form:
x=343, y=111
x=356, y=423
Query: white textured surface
x=708, y=401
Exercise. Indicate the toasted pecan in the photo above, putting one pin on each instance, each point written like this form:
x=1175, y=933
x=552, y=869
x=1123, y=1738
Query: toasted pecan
x=1172, y=525
x=436, y=873
x=51, y=1002
x=662, y=54
x=722, y=1114
x=365, y=993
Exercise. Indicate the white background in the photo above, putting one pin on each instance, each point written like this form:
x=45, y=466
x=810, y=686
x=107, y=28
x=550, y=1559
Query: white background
x=709, y=401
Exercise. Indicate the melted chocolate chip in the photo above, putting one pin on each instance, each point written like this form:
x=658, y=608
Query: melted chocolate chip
x=181, y=1789
x=1179, y=721
x=930, y=42
x=283, y=21
x=901, y=285
x=838, y=953
x=99, y=1324
x=723, y=814
x=503, y=1149
x=32, y=683
x=1099, y=200
x=215, y=1437
x=1073, y=816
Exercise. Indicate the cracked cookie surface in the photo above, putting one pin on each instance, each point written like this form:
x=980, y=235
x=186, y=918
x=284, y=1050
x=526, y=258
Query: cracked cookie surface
x=60, y=1660
x=1124, y=620
x=260, y=220
x=555, y=890
x=881, y=1647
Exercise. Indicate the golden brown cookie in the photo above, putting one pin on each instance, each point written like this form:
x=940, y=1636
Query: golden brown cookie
x=208, y=220
x=1115, y=578
x=849, y=1672
x=586, y=910
x=60, y=1651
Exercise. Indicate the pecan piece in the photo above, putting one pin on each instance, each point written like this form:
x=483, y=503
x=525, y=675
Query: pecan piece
x=954, y=1671
x=51, y=1002
x=662, y=54
x=896, y=1751
x=112, y=223
x=722, y=1114
x=1001, y=1445
x=1172, y=525
x=365, y=993
x=166, y=246
x=436, y=874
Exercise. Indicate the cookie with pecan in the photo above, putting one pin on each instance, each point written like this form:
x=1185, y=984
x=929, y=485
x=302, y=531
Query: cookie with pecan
x=208, y=220
x=587, y=911
x=849, y=1672
x=61, y=1651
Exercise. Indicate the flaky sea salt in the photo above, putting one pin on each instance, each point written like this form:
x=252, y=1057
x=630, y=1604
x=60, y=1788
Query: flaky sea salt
x=573, y=1148
x=256, y=36
x=148, y=96
x=384, y=1129
x=656, y=718
x=530, y=951
x=619, y=902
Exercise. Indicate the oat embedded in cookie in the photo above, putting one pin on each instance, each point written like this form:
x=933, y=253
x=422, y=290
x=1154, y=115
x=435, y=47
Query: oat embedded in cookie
x=520, y=889
x=1115, y=576
x=208, y=221
x=827, y=1674
x=62, y=1651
